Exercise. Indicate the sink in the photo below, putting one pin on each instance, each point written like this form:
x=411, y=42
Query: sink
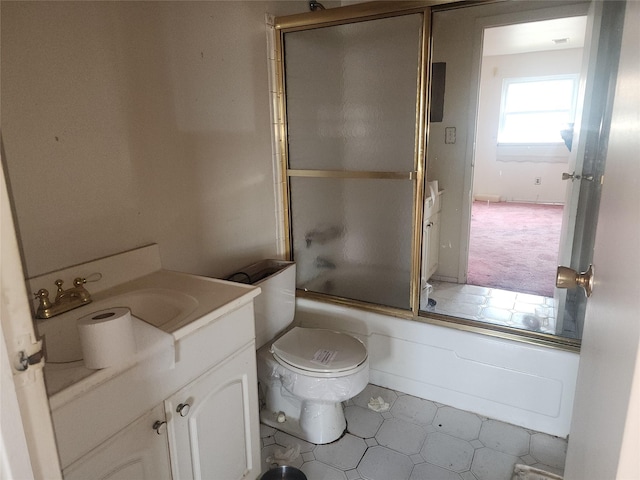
x=155, y=306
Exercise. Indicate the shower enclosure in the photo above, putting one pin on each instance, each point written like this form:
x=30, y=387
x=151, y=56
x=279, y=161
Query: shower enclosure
x=354, y=100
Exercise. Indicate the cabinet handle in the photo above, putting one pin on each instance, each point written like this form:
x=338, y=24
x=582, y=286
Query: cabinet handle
x=183, y=409
x=160, y=427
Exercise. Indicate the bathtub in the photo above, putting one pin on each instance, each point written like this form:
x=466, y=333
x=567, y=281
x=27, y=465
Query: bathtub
x=526, y=385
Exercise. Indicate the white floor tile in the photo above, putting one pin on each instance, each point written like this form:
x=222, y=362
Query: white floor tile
x=344, y=454
x=266, y=431
x=413, y=409
x=470, y=476
x=503, y=294
x=319, y=471
x=450, y=307
x=448, y=452
x=351, y=474
x=490, y=464
x=457, y=423
x=426, y=471
x=498, y=302
x=475, y=290
x=362, y=422
x=371, y=442
x=527, y=298
x=380, y=463
x=268, y=441
x=495, y=314
x=505, y=438
x=404, y=437
x=469, y=298
x=548, y=450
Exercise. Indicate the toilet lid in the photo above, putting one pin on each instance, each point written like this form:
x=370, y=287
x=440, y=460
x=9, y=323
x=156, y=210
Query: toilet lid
x=318, y=350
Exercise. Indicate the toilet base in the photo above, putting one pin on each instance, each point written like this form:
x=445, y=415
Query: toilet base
x=319, y=423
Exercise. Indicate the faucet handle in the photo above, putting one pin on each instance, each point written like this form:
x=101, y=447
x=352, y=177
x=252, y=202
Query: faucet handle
x=60, y=290
x=43, y=296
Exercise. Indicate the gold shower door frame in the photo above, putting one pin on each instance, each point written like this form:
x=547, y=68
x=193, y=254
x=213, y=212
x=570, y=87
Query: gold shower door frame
x=360, y=13
x=342, y=16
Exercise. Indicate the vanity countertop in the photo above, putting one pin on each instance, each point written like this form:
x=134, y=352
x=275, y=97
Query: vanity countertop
x=166, y=307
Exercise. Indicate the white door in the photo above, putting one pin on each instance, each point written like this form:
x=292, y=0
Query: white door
x=582, y=196
x=604, y=442
x=27, y=444
x=576, y=158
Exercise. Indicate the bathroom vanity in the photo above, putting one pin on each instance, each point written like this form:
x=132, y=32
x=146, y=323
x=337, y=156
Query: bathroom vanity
x=185, y=407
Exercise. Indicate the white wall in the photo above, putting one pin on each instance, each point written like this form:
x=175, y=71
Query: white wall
x=514, y=180
x=126, y=123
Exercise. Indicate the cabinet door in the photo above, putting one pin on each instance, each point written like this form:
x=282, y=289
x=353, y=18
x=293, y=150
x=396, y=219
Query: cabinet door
x=213, y=422
x=137, y=452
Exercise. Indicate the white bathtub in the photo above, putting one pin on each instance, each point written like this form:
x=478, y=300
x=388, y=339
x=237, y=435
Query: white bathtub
x=525, y=385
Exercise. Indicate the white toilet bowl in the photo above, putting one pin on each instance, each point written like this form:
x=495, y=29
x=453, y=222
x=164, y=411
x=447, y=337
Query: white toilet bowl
x=305, y=375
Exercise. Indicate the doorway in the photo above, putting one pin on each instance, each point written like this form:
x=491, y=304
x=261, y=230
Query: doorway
x=528, y=99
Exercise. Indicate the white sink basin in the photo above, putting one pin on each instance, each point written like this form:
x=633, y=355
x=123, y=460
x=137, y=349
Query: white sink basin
x=155, y=306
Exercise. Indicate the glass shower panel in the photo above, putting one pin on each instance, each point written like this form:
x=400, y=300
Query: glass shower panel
x=351, y=95
x=352, y=238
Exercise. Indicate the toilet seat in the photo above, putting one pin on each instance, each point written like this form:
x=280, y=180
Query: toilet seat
x=319, y=352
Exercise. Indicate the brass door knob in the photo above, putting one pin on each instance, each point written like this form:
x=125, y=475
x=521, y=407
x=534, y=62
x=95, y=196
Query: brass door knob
x=568, y=278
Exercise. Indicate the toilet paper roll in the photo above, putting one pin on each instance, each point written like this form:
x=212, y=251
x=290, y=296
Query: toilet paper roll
x=106, y=338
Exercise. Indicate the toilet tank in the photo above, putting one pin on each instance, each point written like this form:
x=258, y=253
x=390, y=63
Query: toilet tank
x=275, y=306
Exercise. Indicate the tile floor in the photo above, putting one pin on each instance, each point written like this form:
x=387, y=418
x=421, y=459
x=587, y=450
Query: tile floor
x=492, y=305
x=417, y=439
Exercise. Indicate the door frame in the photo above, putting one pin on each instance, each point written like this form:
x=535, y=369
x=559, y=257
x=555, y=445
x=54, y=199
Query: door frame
x=30, y=439
x=512, y=18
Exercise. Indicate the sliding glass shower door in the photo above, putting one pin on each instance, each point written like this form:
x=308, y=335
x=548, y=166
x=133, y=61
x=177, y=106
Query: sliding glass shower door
x=353, y=102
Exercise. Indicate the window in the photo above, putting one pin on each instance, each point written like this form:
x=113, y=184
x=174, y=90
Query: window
x=535, y=110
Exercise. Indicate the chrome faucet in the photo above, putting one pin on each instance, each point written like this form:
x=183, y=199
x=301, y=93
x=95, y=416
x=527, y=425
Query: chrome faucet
x=65, y=299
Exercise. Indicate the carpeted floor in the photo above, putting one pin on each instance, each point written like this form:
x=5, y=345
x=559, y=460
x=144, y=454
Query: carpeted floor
x=514, y=246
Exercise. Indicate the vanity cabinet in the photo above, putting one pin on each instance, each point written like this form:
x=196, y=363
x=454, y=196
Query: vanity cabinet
x=211, y=423
x=208, y=429
x=208, y=399
x=138, y=451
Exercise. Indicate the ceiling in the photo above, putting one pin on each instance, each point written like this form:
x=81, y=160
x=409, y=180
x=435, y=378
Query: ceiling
x=535, y=36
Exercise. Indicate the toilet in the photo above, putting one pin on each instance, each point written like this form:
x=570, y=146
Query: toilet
x=304, y=374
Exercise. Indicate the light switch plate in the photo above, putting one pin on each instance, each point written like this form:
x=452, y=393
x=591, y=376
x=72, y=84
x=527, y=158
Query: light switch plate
x=450, y=135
